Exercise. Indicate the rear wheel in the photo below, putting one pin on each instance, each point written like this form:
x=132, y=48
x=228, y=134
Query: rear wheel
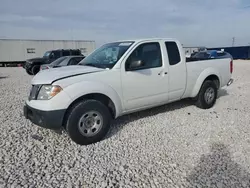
x=35, y=69
x=207, y=95
x=88, y=122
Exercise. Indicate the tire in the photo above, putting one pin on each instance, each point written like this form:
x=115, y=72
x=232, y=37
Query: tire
x=82, y=133
x=207, y=100
x=35, y=69
x=28, y=72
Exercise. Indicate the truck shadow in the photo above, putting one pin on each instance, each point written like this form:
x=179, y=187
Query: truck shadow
x=217, y=169
x=119, y=123
x=222, y=93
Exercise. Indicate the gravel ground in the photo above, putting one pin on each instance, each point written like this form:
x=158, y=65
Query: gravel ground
x=177, y=145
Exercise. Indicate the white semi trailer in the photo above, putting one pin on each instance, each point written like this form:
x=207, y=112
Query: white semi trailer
x=14, y=51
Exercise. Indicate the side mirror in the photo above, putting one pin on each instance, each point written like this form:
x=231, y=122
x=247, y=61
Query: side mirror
x=135, y=65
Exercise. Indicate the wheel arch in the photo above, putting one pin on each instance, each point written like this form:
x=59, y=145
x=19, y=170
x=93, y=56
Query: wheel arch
x=99, y=97
x=215, y=79
x=210, y=74
x=106, y=100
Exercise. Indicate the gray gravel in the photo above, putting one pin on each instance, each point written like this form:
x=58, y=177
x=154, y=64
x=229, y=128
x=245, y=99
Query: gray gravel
x=177, y=145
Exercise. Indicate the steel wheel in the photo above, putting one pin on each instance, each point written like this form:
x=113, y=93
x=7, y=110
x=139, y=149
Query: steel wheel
x=209, y=95
x=90, y=123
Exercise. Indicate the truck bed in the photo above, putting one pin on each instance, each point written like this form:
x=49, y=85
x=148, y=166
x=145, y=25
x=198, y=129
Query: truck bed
x=196, y=69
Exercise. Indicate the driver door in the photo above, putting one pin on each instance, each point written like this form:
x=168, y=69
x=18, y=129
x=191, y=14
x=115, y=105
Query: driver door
x=146, y=85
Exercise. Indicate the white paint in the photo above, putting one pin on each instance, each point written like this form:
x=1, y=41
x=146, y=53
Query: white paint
x=133, y=91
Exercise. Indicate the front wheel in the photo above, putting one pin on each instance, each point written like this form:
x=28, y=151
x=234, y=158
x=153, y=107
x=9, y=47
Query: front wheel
x=207, y=95
x=35, y=69
x=28, y=72
x=88, y=122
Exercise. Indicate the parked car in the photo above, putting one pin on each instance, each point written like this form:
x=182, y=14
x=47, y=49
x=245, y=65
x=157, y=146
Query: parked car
x=63, y=61
x=209, y=54
x=120, y=78
x=32, y=66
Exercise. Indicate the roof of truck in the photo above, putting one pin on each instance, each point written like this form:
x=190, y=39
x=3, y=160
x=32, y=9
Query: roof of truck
x=146, y=39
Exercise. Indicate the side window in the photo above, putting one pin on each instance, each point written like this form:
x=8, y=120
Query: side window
x=78, y=59
x=65, y=53
x=73, y=61
x=173, y=53
x=148, y=54
x=64, y=62
x=52, y=55
x=56, y=54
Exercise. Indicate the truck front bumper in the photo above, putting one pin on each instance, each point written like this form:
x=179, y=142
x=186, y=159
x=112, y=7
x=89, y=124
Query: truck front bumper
x=230, y=82
x=46, y=119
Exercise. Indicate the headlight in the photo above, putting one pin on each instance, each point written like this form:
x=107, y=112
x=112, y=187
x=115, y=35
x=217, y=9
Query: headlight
x=48, y=91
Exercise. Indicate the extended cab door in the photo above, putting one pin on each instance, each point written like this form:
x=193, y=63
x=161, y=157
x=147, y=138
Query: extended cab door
x=177, y=70
x=147, y=84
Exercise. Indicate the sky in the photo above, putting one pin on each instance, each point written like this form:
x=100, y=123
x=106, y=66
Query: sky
x=210, y=23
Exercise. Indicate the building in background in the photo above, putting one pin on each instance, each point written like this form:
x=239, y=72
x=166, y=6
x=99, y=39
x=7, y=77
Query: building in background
x=19, y=50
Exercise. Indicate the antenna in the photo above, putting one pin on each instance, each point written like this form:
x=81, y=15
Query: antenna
x=233, y=41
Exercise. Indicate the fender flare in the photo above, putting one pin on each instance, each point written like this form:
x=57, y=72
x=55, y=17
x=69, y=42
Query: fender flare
x=95, y=88
x=202, y=77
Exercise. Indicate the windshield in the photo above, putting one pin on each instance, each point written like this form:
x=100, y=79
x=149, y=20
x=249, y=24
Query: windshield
x=107, y=55
x=58, y=61
x=46, y=55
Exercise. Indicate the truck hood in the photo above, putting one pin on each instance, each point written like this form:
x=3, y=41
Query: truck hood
x=51, y=75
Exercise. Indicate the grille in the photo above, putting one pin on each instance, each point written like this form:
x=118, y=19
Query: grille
x=33, y=92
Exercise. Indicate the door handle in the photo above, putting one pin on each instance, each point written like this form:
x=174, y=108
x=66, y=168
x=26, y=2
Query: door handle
x=161, y=72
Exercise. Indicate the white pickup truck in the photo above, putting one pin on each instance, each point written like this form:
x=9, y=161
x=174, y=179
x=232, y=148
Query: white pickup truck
x=120, y=78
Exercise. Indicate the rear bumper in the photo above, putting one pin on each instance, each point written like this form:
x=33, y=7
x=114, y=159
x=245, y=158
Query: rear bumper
x=230, y=82
x=46, y=119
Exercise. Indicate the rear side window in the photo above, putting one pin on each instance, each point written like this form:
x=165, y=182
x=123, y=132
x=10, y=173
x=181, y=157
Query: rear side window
x=74, y=61
x=58, y=61
x=173, y=53
x=64, y=62
x=78, y=59
x=57, y=54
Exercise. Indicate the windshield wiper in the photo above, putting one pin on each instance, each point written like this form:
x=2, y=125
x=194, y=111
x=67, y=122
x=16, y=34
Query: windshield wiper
x=92, y=65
